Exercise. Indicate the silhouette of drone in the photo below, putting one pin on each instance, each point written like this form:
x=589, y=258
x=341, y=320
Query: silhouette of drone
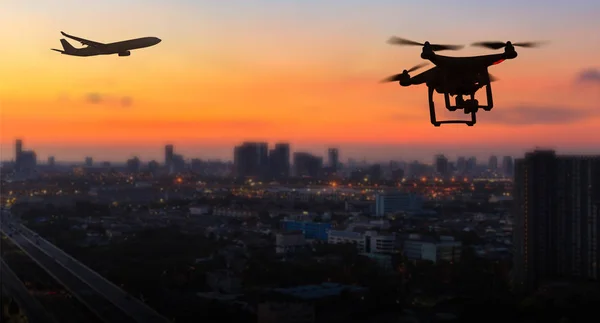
x=456, y=76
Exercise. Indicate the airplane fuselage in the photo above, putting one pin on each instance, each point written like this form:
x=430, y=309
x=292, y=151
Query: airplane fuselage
x=118, y=47
x=122, y=48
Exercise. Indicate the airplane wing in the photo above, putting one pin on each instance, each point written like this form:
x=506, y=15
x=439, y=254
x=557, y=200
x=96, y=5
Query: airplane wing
x=84, y=41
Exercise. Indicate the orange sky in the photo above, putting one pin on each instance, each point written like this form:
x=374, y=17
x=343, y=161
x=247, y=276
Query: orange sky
x=200, y=87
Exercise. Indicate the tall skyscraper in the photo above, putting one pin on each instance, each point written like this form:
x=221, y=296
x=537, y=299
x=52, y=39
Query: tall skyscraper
x=89, y=161
x=333, y=158
x=556, y=227
x=51, y=161
x=251, y=159
x=279, y=161
x=25, y=160
x=169, y=151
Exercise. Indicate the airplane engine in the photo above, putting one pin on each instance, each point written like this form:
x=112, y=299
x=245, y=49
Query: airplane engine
x=125, y=53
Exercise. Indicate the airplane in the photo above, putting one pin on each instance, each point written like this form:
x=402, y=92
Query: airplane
x=122, y=48
x=456, y=76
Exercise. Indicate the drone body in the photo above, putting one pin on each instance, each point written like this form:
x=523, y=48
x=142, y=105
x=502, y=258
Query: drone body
x=456, y=76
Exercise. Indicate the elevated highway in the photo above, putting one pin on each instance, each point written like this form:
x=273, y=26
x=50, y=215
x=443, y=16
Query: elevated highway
x=103, y=298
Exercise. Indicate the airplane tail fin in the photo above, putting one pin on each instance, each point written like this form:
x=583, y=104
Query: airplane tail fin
x=68, y=48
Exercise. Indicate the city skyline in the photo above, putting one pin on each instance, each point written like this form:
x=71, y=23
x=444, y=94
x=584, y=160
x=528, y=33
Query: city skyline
x=157, y=153
x=222, y=76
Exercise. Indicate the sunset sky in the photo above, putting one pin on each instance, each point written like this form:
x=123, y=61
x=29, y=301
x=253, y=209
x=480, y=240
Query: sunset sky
x=303, y=71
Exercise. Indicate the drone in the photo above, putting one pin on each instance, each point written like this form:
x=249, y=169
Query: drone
x=456, y=76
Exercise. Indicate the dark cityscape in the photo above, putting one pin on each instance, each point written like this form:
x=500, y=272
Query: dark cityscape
x=278, y=234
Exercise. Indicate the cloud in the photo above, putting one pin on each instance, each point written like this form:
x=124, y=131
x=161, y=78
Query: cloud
x=94, y=98
x=590, y=75
x=100, y=98
x=126, y=101
x=537, y=115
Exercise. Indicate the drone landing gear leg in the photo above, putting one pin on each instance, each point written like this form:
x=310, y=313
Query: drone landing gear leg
x=448, y=104
x=473, y=119
x=432, y=108
x=490, y=100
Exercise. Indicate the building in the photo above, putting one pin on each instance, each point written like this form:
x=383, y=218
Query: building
x=287, y=242
x=169, y=152
x=393, y=202
x=419, y=247
x=470, y=165
x=340, y=236
x=333, y=155
x=177, y=164
x=153, y=166
x=367, y=242
x=461, y=164
x=306, y=164
x=441, y=165
x=493, y=163
x=18, y=151
x=251, y=159
x=311, y=230
x=25, y=161
x=279, y=161
x=508, y=167
x=556, y=224
x=133, y=165
x=89, y=162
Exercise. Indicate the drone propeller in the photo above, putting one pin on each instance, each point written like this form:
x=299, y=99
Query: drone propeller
x=434, y=47
x=499, y=44
x=416, y=67
x=404, y=74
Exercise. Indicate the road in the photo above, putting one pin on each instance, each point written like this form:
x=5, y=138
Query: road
x=136, y=309
x=57, y=301
x=104, y=309
x=35, y=312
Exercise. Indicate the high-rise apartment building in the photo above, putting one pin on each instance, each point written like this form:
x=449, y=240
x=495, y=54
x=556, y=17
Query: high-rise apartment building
x=556, y=219
x=279, y=161
x=333, y=159
x=251, y=159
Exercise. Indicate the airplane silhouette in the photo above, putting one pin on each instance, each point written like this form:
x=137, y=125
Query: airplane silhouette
x=122, y=48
